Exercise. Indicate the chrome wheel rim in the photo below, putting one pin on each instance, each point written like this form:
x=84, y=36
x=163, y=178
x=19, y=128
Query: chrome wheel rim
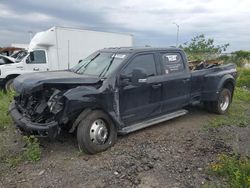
x=98, y=132
x=10, y=87
x=224, y=103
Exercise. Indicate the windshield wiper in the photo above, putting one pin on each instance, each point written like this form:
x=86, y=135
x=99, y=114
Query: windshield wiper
x=105, y=70
x=85, y=65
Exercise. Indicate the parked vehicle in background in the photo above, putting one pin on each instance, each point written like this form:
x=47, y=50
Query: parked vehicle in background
x=118, y=90
x=6, y=59
x=60, y=48
x=14, y=58
x=8, y=51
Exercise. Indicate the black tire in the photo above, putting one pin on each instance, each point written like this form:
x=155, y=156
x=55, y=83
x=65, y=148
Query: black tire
x=88, y=144
x=222, y=105
x=9, y=85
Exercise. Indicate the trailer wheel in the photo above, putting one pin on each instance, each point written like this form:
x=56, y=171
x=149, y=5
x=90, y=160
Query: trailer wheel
x=9, y=85
x=96, y=133
x=221, y=106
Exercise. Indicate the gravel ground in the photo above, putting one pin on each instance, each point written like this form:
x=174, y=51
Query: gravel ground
x=175, y=153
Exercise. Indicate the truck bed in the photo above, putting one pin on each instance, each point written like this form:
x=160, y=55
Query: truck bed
x=204, y=81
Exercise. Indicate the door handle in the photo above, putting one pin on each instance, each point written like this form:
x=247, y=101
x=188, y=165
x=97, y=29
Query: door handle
x=185, y=80
x=144, y=80
x=35, y=69
x=156, y=86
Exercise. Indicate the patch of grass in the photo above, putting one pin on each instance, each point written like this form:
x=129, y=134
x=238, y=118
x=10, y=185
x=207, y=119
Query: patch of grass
x=243, y=77
x=242, y=94
x=31, y=152
x=5, y=100
x=234, y=170
x=237, y=116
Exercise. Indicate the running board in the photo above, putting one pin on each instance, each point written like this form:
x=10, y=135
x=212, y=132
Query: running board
x=150, y=122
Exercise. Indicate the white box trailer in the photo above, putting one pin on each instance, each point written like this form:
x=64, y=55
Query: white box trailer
x=64, y=47
x=61, y=48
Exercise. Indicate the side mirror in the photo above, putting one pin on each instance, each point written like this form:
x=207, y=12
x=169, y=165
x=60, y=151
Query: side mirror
x=31, y=56
x=80, y=61
x=139, y=75
x=28, y=60
x=124, y=80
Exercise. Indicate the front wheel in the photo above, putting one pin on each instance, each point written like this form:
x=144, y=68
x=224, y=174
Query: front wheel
x=9, y=85
x=96, y=133
x=222, y=104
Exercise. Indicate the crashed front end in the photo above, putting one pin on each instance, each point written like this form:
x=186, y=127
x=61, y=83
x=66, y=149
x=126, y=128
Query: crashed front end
x=46, y=102
x=38, y=113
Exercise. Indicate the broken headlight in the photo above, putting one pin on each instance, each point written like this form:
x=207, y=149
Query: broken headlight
x=55, y=102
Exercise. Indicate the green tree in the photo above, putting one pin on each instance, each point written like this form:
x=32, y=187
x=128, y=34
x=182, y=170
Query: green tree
x=225, y=58
x=241, y=57
x=202, y=48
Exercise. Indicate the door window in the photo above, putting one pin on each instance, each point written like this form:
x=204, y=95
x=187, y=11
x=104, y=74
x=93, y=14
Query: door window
x=37, y=57
x=172, y=63
x=145, y=62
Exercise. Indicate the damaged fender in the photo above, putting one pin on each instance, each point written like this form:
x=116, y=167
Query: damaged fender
x=82, y=100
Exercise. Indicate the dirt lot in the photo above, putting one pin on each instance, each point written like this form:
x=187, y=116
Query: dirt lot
x=172, y=154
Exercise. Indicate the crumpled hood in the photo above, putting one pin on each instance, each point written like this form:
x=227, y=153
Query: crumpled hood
x=6, y=60
x=32, y=82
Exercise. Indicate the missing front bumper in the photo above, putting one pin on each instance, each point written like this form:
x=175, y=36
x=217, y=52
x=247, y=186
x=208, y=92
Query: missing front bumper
x=50, y=129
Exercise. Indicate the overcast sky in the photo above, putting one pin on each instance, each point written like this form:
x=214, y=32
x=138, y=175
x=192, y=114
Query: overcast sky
x=150, y=21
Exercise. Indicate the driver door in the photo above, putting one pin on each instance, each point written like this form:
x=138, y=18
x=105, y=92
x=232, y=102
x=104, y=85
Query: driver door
x=139, y=94
x=37, y=61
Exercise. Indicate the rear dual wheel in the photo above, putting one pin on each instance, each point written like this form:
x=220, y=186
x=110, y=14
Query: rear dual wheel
x=96, y=133
x=222, y=104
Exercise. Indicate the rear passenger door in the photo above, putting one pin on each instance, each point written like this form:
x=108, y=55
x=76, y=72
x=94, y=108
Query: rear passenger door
x=175, y=81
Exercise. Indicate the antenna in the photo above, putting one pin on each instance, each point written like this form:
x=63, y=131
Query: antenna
x=68, y=55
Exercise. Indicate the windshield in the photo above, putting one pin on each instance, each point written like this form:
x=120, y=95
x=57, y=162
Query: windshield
x=21, y=55
x=99, y=64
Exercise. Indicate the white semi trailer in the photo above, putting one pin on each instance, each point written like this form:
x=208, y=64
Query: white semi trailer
x=60, y=48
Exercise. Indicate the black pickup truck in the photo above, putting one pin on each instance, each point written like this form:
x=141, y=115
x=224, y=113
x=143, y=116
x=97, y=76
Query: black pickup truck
x=117, y=91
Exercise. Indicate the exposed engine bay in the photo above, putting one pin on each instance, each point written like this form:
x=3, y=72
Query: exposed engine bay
x=40, y=107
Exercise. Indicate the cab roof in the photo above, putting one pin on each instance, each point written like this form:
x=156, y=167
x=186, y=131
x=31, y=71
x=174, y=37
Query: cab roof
x=138, y=49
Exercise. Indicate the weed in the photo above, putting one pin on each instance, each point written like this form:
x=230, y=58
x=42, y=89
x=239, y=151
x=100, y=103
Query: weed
x=14, y=160
x=5, y=100
x=235, y=170
x=32, y=151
